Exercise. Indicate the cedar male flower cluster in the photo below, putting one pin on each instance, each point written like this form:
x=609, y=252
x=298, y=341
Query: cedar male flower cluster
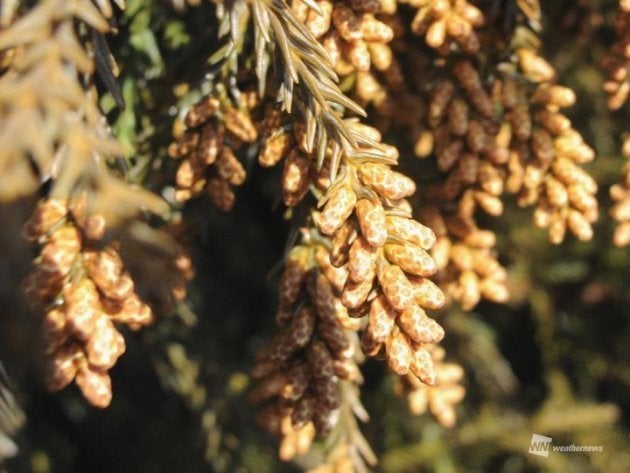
x=617, y=63
x=318, y=88
x=204, y=146
x=78, y=280
x=83, y=290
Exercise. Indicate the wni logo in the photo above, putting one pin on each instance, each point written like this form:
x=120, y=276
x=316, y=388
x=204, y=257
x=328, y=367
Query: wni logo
x=540, y=445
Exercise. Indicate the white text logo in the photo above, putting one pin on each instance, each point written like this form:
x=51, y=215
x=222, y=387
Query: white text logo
x=540, y=445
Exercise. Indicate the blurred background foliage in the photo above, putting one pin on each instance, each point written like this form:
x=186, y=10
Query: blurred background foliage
x=555, y=360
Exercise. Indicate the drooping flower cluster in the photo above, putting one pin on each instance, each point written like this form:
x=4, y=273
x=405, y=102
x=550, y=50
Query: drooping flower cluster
x=617, y=63
x=353, y=37
x=504, y=133
x=447, y=24
x=547, y=153
x=468, y=142
x=81, y=284
x=358, y=45
x=471, y=147
x=54, y=132
x=620, y=194
x=385, y=253
x=206, y=143
x=301, y=368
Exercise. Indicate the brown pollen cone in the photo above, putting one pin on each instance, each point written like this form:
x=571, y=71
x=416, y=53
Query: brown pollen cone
x=206, y=144
x=620, y=212
x=298, y=373
x=617, y=61
x=386, y=255
x=83, y=289
x=547, y=153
